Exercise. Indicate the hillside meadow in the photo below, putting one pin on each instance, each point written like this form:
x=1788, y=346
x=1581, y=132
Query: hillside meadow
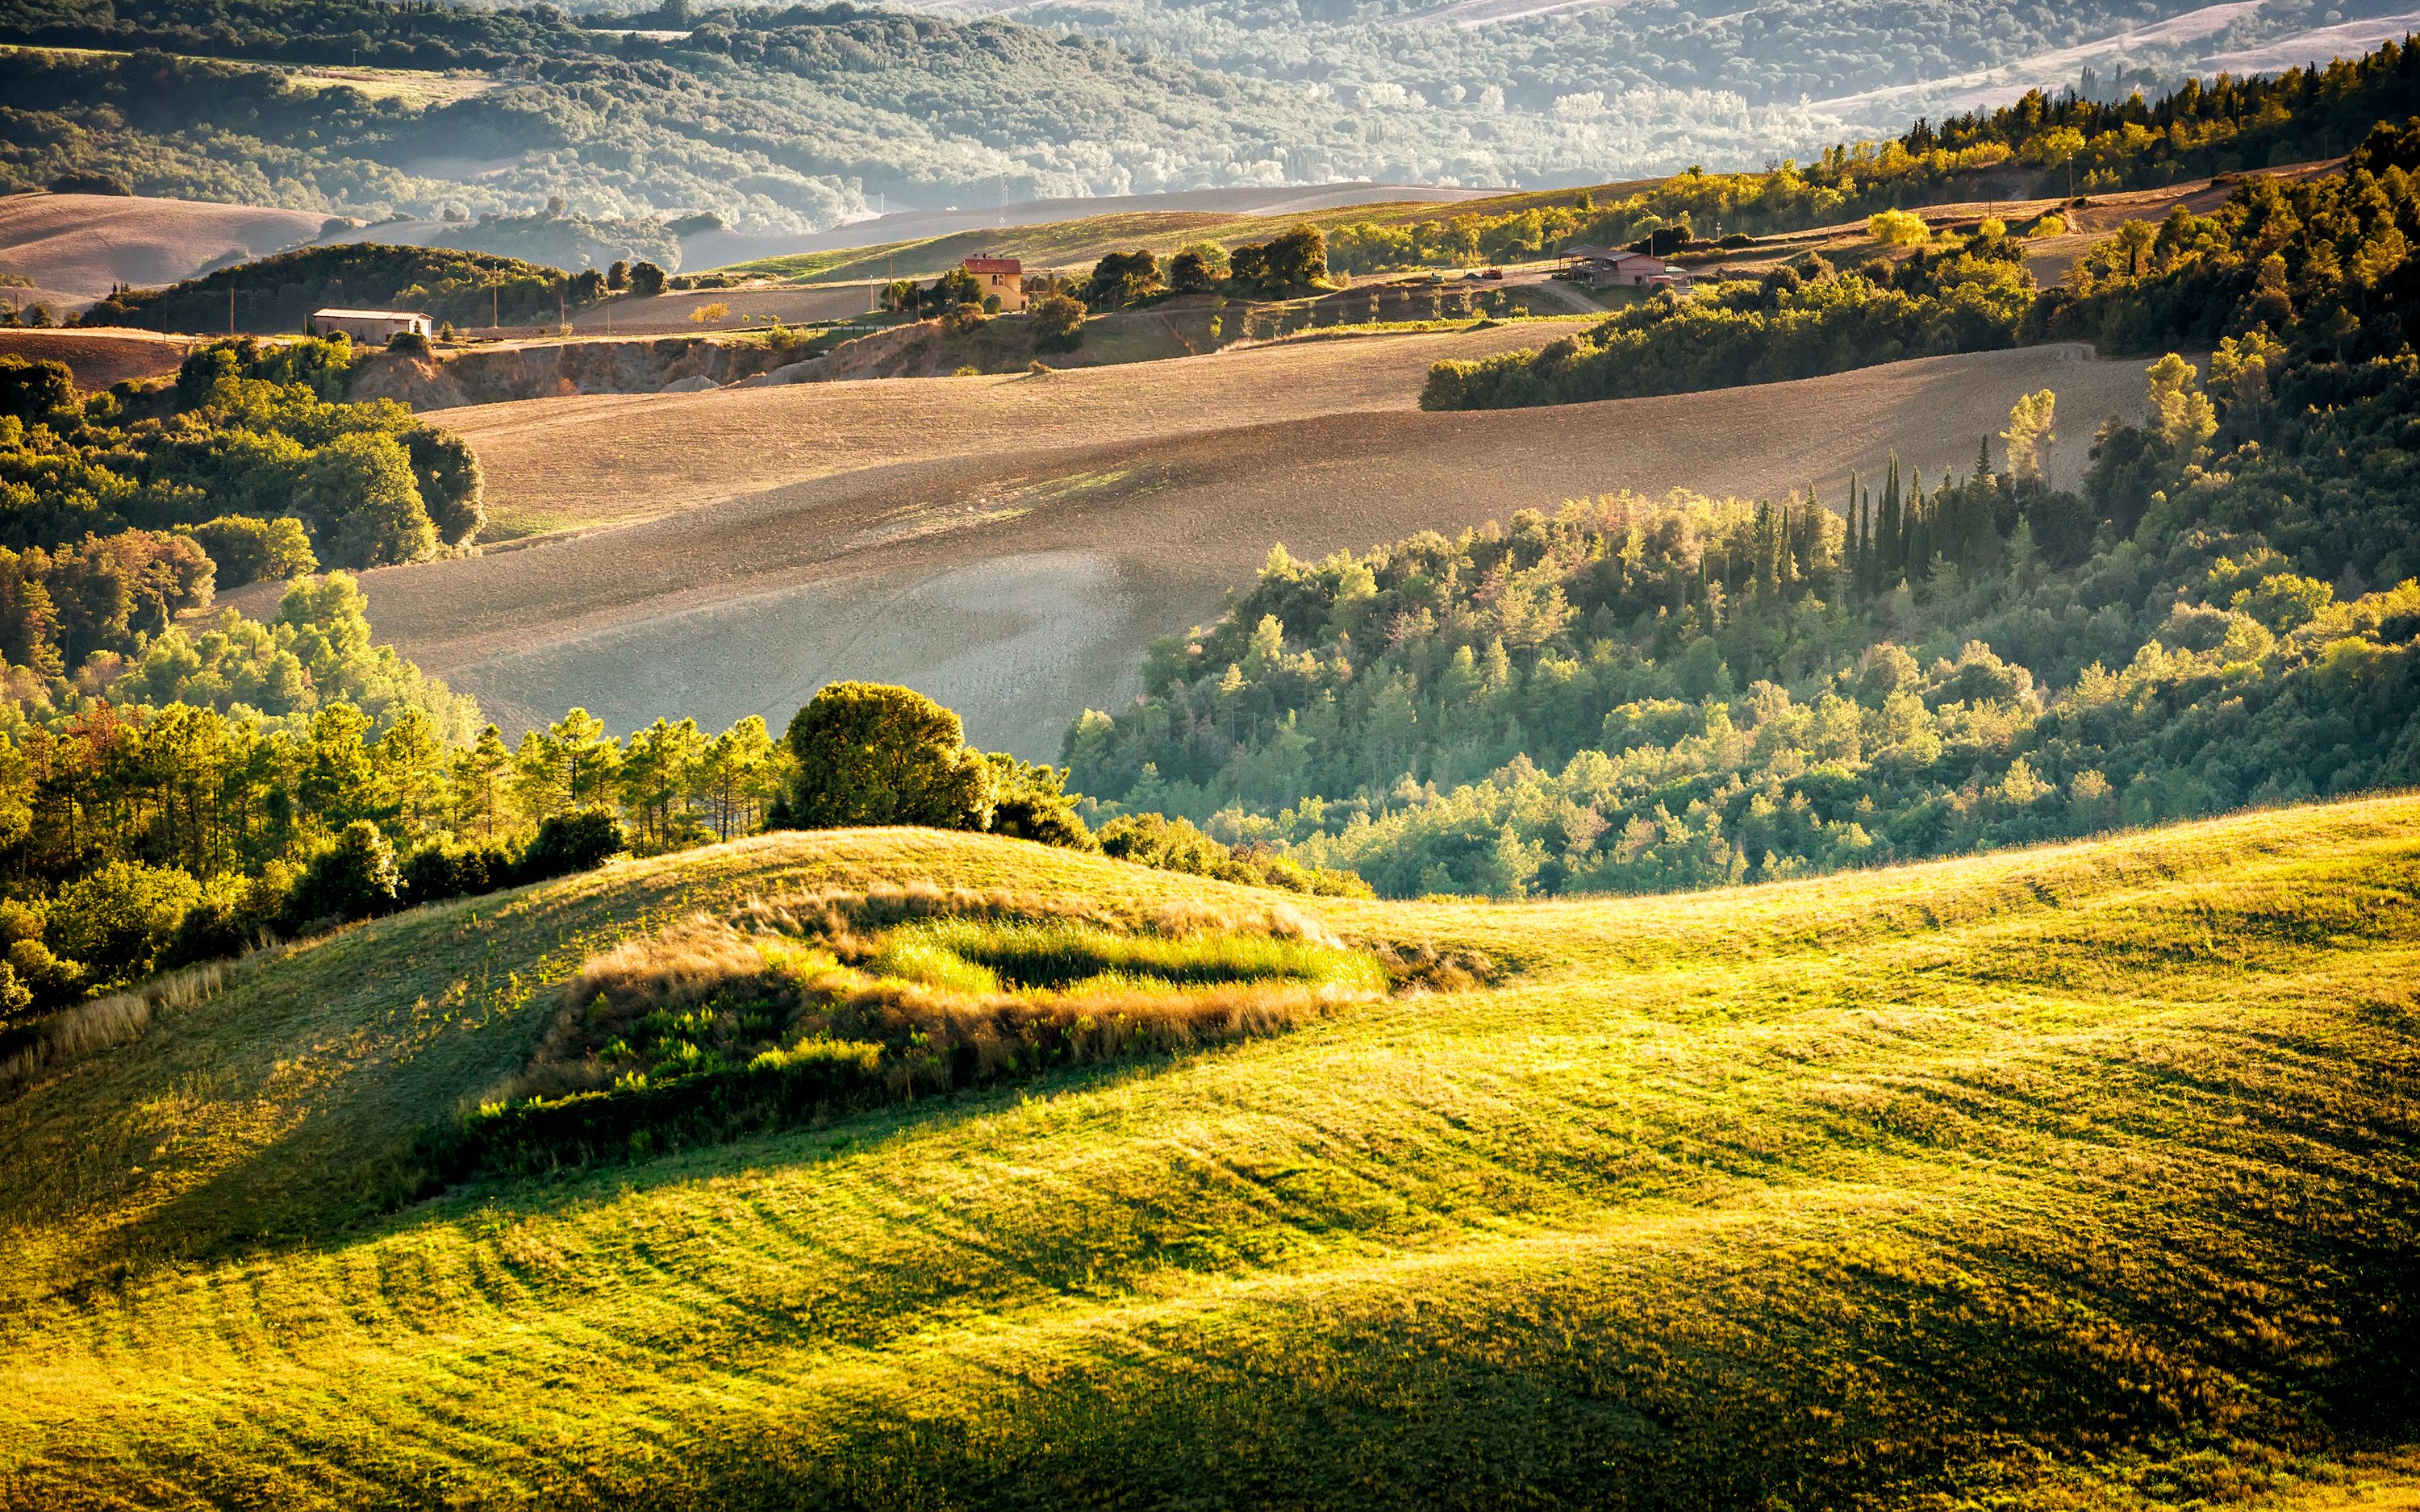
x=2079, y=1177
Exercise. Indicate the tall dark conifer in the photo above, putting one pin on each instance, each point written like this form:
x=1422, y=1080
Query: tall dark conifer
x=1857, y=546
x=1920, y=529
x=1893, y=534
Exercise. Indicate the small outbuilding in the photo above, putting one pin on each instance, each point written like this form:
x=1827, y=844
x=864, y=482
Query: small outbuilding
x=1609, y=268
x=371, y=328
x=1004, y=276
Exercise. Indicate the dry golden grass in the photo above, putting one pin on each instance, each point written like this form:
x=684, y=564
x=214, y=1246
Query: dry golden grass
x=78, y=1033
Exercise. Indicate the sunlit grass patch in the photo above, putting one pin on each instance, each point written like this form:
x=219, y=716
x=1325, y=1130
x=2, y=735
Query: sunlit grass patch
x=828, y=1002
x=1057, y=954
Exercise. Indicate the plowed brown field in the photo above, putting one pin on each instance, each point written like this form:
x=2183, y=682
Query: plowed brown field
x=99, y=357
x=1011, y=544
x=81, y=245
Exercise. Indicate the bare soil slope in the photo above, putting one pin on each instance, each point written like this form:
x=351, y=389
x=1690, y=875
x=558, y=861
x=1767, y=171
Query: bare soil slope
x=84, y=243
x=1011, y=545
x=102, y=356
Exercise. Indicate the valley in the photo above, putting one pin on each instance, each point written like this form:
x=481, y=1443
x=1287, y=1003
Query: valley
x=1006, y=544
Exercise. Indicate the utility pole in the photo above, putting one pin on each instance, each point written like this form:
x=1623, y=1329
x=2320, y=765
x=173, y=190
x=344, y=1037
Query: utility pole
x=230, y=308
x=495, y=302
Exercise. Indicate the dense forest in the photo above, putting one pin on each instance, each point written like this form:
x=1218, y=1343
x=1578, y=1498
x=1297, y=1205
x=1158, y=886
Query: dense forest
x=1697, y=72
x=1637, y=695
x=773, y=121
x=251, y=452
x=271, y=295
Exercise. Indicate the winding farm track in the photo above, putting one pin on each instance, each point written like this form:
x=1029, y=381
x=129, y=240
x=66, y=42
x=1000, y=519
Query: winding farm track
x=1011, y=545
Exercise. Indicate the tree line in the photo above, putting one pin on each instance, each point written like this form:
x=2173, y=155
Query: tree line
x=2335, y=251
x=1800, y=321
x=277, y=294
x=171, y=818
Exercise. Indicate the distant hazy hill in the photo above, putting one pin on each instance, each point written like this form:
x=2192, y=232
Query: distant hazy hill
x=787, y=122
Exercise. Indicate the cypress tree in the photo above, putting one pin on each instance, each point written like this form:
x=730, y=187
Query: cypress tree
x=1920, y=529
x=1983, y=460
x=1857, y=547
x=1872, y=569
x=1893, y=560
x=1959, y=546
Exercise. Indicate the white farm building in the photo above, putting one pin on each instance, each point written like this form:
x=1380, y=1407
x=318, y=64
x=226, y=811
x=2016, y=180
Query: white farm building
x=372, y=328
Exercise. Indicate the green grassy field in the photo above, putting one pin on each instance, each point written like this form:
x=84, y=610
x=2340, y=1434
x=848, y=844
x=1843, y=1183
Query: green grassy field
x=2082, y=1176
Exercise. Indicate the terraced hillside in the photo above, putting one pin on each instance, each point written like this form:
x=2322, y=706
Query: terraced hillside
x=1009, y=545
x=2065, y=1178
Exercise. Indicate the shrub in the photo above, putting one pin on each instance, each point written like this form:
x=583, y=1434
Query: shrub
x=450, y=868
x=354, y=878
x=1029, y=803
x=90, y=183
x=117, y=919
x=248, y=551
x=871, y=754
x=1058, y=323
x=1898, y=228
x=575, y=841
x=51, y=982
x=32, y=391
x=407, y=344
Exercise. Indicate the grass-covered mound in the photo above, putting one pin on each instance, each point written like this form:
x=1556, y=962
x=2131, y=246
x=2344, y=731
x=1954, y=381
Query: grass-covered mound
x=799, y=1006
x=2080, y=1177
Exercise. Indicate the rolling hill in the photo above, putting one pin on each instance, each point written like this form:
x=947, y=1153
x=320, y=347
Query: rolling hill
x=82, y=246
x=1006, y=544
x=2060, y=1178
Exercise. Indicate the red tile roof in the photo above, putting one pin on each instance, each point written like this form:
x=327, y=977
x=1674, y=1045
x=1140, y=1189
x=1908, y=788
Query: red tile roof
x=994, y=265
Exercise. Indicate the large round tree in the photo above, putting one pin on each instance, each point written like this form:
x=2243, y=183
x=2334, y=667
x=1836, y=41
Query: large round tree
x=871, y=754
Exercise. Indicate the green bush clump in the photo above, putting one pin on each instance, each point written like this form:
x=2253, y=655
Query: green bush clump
x=706, y=1032
x=1061, y=954
x=816, y=1077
